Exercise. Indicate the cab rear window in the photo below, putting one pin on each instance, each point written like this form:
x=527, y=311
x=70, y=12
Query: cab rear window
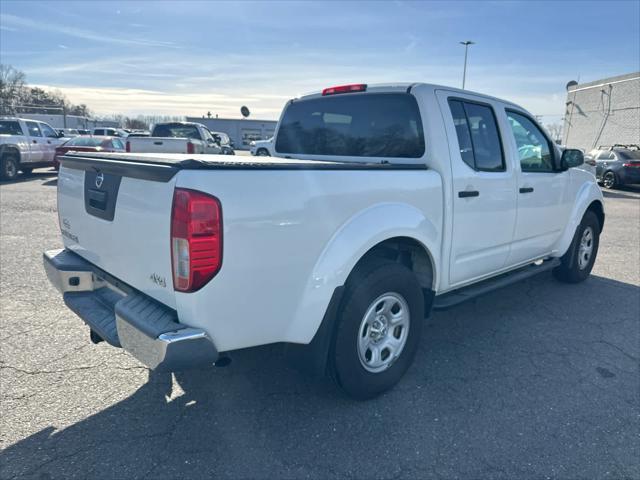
x=386, y=125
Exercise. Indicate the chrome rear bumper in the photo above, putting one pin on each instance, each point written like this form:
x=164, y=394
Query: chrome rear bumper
x=125, y=317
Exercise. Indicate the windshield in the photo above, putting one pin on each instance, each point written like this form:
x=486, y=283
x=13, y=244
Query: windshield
x=358, y=125
x=177, y=130
x=10, y=128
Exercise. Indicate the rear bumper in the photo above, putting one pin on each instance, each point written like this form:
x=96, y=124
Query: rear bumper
x=629, y=175
x=125, y=317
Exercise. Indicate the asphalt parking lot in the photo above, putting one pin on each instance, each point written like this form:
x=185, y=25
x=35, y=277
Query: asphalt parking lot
x=537, y=380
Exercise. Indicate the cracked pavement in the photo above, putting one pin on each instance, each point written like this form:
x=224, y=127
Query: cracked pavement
x=537, y=380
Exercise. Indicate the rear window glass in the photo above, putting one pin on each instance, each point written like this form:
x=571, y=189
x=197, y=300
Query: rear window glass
x=355, y=125
x=84, y=142
x=10, y=128
x=177, y=130
x=629, y=154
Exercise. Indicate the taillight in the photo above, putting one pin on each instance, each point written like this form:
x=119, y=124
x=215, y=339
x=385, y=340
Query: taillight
x=590, y=162
x=632, y=164
x=191, y=148
x=196, y=239
x=358, y=87
x=128, y=146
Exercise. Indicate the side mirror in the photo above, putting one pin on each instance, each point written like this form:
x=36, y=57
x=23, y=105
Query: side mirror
x=571, y=157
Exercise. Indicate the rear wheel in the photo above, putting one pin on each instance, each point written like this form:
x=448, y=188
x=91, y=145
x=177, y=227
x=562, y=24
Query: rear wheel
x=8, y=167
x=578, y=262
x=610, y=180
x=378, y=329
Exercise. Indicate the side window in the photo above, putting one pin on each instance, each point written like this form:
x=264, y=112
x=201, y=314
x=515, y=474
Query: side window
x=606, y=156
x=34, y=130
x=98, y=131
x=534, y=149
x=48, y=131
x=118, y=144
x=478, y=137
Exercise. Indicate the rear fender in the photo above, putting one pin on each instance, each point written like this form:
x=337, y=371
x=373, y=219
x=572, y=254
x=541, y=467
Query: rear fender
x=347, y=246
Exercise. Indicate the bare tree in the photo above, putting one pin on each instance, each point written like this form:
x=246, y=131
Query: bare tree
x=555, y=130
x=12, y=88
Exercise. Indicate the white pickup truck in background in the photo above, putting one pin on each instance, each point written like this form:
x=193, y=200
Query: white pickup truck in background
x=175, y=137
x=383, y=203
x=26, y=144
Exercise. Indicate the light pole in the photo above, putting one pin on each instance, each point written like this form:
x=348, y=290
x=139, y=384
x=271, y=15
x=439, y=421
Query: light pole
x=466, y=48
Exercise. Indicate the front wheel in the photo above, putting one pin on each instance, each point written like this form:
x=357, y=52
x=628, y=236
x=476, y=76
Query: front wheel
x=263, y=152
x=378, y=329
x=578, y=262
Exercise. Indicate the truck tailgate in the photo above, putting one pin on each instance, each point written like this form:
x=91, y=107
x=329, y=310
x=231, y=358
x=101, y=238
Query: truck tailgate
x=120, y=224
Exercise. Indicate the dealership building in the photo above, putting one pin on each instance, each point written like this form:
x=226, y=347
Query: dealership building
x=603, y=113
x=241, y=130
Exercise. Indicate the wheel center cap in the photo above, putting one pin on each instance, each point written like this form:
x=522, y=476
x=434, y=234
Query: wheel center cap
x=379, y=328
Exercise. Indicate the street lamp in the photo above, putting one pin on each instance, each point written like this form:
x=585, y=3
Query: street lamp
x=466, y=48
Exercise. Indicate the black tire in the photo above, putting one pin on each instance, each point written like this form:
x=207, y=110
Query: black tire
x=263, y=152
x=26, y=171
x=573, y=268
x=610, y=180
x=370, y=282
x=8, y=167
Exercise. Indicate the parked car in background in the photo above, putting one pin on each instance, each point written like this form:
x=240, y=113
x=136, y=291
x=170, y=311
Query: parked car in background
x=224, y=141
x=24, y=145
x=68, y=132
x=175, y=137
x=110, y=132
x=262, y=148
x=82, y=131
x=89, y=144
x=617, y=165
x=392, y=200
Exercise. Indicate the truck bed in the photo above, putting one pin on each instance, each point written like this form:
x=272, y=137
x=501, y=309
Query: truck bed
x=163, y=167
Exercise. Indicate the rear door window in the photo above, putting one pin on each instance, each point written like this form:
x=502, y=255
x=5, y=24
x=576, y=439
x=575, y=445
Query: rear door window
x=478, y=137
x=383, y=125
x=34, y=129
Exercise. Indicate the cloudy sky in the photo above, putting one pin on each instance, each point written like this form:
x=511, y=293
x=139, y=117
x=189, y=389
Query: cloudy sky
x=187, y=58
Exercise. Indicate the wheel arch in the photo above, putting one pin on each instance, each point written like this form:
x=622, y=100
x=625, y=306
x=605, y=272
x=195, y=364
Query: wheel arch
x=589, y=197
x=9, y=149
x=409, y=238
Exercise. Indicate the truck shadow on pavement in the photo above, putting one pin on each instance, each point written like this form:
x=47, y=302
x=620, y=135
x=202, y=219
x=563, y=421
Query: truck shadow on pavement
x=536, y=379
x=37, y=176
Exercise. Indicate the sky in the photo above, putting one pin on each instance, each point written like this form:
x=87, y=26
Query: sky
x=188, y=58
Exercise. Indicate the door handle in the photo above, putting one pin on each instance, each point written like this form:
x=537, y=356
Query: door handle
x=49, y=142
x=35, y=141
x=526, y=190
x=468, y=193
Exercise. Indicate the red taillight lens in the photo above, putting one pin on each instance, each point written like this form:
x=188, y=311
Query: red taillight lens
x=358, y=87
x=632, y=164
x=128, y=146
x=190, y=147
x=196, y=239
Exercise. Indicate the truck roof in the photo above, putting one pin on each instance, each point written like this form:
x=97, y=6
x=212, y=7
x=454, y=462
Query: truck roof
x=408, y=86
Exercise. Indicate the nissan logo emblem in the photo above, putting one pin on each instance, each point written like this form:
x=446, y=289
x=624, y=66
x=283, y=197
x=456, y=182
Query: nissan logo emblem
x=99, y=179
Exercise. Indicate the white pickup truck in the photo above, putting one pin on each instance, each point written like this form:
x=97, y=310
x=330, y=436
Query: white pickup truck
x=175, y=137
x=26, y=144
x=384, y=202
